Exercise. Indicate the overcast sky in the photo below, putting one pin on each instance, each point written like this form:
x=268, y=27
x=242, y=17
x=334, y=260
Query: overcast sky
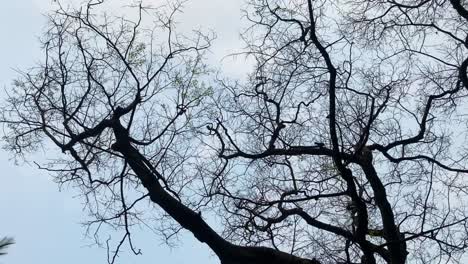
x=46, y=222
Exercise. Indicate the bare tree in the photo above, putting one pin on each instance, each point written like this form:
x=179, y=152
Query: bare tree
x=5, y=243
x=346, y=143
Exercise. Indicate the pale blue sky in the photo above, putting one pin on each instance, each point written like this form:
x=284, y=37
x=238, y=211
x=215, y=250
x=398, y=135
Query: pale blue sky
x=46, y=222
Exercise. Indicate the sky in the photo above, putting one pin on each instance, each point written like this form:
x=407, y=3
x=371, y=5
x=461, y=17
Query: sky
x=44, y=220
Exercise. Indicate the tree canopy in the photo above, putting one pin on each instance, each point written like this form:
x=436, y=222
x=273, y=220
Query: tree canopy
x=345, y=143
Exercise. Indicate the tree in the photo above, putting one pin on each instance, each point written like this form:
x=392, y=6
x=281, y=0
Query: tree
x=5, y=243
x=345, y=144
